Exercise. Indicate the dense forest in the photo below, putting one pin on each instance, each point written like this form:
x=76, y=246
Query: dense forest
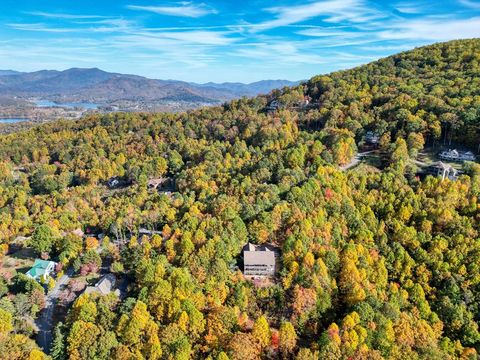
x=375, y=262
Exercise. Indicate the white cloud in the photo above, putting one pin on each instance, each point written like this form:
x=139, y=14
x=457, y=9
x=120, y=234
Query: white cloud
x=179, y=38
x=38, y=27
x=63, y=16
x=184, y=9
x=331, y=10
x=432, y=29
x=470, y=4
x=327, y=32
x=198, y=37
x=408, y=9
x=97, y=26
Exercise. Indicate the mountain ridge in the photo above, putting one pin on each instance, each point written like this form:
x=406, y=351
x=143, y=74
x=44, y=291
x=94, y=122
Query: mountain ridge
x=93, y=84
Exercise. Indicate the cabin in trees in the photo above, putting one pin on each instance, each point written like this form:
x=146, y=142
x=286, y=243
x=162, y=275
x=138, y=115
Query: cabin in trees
x=442, y=170
x=116, y=182
x=273, y=106
x=371, y=138
x=259, y=260
x=165, y=184
x=104, y=286
x=41, y=269
x=455, y=155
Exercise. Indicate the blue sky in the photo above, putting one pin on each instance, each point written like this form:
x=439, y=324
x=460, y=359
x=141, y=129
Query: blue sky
x=242, y=40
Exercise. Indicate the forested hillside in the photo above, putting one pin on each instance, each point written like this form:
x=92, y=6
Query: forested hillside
x=375, y=262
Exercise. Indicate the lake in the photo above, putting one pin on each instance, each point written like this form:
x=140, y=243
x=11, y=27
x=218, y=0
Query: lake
x=84, y=105
x=13, y=120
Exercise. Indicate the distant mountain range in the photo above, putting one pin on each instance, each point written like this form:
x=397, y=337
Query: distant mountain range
x=95, y=85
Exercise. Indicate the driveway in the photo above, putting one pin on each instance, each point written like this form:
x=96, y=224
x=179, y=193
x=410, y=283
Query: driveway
x=45, y=320
x=355, y=161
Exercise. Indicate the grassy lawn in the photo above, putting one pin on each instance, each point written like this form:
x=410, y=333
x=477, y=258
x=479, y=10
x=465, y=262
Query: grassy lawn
x=429, y=155
x=373, y=159
x=366, y=168
x=18, y=261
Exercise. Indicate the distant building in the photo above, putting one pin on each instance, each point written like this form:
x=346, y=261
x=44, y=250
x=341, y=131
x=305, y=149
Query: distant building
x=306, y=101
x=259, y=260
x=371, y=138
x=455, y=155
x=116, y=182
x=41, y=269
x=143, y=231
x=164, y=184
x=273, y=106
x=79, y=232
x=104, y=286
x=113, y=183
x=442, y=170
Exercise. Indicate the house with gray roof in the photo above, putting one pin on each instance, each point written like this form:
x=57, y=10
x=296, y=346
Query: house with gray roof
x=259, y=260
x=104, y=286
x=456, y=155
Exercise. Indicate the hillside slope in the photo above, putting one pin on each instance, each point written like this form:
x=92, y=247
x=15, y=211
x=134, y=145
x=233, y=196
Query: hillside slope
x=374, y=262
x=432, y=90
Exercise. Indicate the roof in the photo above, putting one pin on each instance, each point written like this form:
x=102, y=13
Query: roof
x=442, y=165
x=39, y=267
x=156, y=182
x=104, y=286
x=78, y=232
x=258, y=254
x=259, y=257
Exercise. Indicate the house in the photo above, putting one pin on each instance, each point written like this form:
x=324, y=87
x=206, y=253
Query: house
x=79, y=232
x=469, y=156
x=104, y=286
x=371, y=138
x=164, y=184
x=273, y=106
x=117, y=182
x=455, y=155
x=113, y=183
x=259, y=260
x=41, y=269
x=442, y=170
x=143, y=231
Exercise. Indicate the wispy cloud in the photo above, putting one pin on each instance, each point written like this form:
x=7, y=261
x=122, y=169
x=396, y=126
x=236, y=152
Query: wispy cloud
x=329, y=10
x=432, y=29
x=409, y=9
x=63, y=16
x=39, y=27
x=470, y=4
x=179, y=38
x=97, y=26
x=327, y=32
x=287, y=39
x=184, y=9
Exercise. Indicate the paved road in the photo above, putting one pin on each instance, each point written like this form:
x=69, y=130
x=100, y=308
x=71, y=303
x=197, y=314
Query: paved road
x=355, y=161
x=45, y=320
